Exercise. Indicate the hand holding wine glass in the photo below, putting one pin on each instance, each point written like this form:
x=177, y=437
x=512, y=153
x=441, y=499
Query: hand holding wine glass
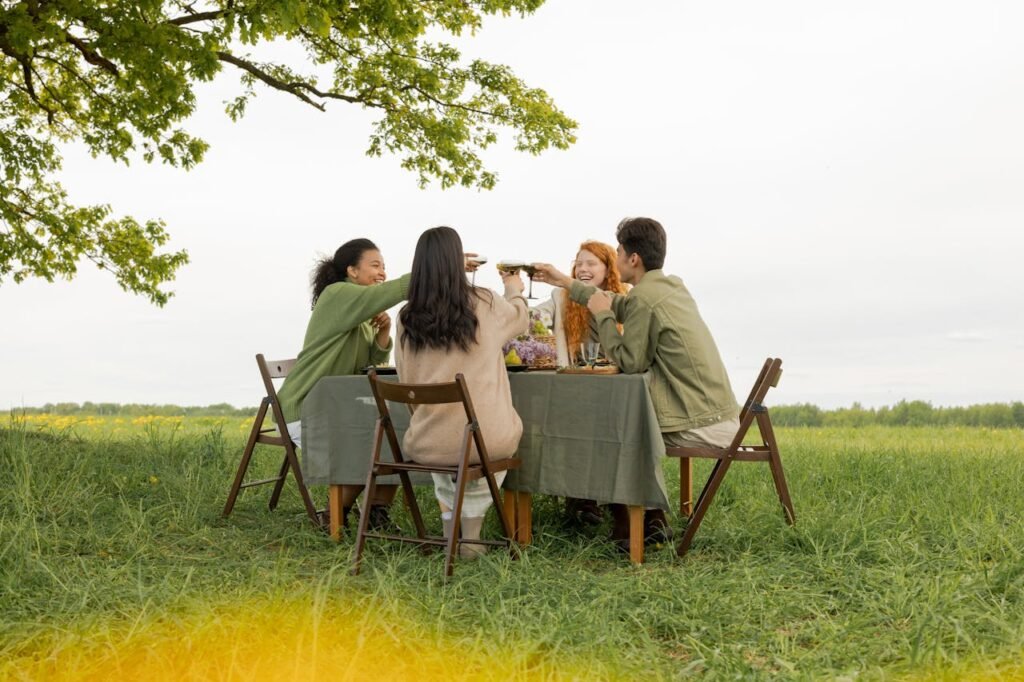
x=549, y=274
x=473, y=263
x=510, y=278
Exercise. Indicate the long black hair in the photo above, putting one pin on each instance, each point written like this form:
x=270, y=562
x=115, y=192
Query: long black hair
x=335, y=269
x=439, y=313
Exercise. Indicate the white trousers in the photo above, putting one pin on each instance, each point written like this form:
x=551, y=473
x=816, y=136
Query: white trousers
x=295, y=431
x=476, y=500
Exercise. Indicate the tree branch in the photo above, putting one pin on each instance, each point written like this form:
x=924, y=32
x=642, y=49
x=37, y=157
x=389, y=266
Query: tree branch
x=197, y=17
x=294, y=88
x=91, y=55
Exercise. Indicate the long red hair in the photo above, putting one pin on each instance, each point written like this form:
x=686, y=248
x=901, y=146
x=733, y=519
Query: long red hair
x=576, y=317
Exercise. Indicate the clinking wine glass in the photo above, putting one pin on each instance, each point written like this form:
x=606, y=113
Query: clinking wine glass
x=514, y=266
x=475, y=260
x=530, y=272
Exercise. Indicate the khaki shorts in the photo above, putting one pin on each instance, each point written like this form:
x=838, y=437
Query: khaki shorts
x=718, y=435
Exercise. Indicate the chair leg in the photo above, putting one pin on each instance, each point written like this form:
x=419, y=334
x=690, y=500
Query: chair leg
x=460, y=491
x=279, y=485
x=243, y=465
x=307, y=501
x=685, y=487
x=364, y=522
x=368, y=493
x=412, y=505
x=775, y=461
x=703, y=502
x=506, y=523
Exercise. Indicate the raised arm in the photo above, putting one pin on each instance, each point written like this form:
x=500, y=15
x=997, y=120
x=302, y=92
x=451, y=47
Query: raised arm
x=512, y=311
x=349, y=305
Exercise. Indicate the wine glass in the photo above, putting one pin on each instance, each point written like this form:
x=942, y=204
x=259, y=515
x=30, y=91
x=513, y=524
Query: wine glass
x=513, y=266
x=475, y=260
x=589, y=352
x=530, y=272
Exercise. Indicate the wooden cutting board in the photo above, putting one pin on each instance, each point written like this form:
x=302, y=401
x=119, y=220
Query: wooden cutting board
x=599, y=369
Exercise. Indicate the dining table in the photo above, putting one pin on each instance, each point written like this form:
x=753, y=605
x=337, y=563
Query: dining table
x=585, y=436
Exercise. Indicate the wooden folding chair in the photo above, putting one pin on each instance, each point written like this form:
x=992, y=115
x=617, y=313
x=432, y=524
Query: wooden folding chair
x=464, y=471
x=768, y=451
x=275, y=369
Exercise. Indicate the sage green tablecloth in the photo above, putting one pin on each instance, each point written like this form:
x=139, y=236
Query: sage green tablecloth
x=593, y=437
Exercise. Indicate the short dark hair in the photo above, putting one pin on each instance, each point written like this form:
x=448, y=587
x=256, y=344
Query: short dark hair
x=646, y=238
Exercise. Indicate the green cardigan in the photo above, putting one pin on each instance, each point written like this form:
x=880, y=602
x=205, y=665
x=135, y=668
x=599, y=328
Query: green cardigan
x=663, y=332
x=339, y=338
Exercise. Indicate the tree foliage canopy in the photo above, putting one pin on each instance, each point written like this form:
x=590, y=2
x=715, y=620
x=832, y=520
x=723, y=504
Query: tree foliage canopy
x=119, y=76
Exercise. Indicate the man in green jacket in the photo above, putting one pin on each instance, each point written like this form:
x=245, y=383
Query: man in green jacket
x=664, y=334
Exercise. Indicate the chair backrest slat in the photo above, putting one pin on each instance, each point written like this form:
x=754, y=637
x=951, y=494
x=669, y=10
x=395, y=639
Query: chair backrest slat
x=757, y=382
x=417, y=394
x=769, y=379
x=278, y=369
x=770, y=372
x=270, y=370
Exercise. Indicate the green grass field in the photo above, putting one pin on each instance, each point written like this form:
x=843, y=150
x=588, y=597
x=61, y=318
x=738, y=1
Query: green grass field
x=906, y=561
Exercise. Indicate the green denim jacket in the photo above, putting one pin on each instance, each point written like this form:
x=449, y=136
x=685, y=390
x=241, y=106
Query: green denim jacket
x=664, y=333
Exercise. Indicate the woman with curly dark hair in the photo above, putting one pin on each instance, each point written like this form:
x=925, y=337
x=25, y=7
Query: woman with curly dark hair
x=348, y=330
x=448, y=327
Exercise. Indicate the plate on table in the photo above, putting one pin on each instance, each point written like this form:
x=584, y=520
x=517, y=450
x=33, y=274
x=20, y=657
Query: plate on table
x=380, y=370
x=516, y=368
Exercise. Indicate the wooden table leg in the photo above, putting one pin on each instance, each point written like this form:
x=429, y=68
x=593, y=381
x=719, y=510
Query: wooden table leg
x=508, y=505
x=686, y=487
x=524, y=518
x=519, y=512
x=636, y=534
x=334, y=509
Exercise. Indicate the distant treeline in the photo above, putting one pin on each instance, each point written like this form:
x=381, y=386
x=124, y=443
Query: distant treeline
x=137, y=410
x=904, y=413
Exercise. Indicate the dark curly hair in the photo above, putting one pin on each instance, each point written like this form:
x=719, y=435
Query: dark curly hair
x=439, y=313
x=335, y=269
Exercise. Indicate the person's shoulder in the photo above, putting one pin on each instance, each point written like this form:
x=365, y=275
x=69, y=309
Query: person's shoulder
x=483, y=295
x=333, y=291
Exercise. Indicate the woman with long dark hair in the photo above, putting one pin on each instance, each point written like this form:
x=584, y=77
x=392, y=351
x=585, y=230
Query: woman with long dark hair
x=348, y=330
x=447, y=327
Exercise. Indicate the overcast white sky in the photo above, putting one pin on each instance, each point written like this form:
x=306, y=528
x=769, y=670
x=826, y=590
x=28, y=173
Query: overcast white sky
x=842, y=185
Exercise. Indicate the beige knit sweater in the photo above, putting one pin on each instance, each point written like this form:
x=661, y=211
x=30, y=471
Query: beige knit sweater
x=435, y=431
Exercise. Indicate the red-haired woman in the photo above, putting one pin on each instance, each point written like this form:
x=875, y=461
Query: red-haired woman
x=572, y=322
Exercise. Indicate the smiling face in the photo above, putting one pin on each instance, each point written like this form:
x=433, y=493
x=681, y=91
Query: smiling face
x=589, y=269
x=369, y=270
